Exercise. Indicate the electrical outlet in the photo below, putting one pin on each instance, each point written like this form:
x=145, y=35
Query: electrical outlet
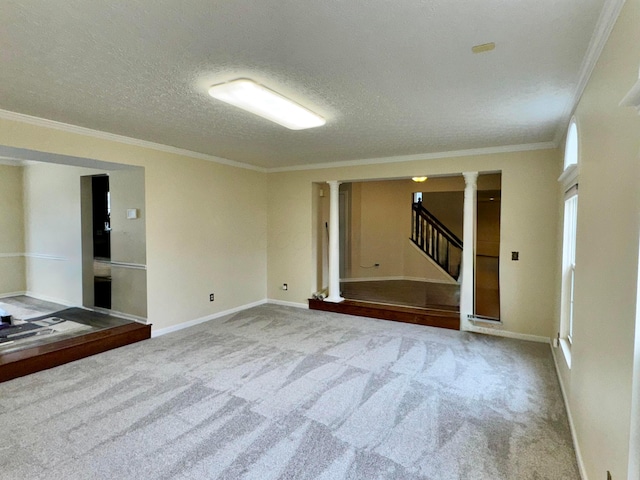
x=211, y=297
x=515, y=256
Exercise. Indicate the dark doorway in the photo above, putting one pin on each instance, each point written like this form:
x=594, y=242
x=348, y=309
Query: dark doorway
x=487, y=267
x=101, y=240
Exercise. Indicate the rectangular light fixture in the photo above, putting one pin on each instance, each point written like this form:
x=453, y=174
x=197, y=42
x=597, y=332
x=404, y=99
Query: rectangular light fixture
x=248, y=95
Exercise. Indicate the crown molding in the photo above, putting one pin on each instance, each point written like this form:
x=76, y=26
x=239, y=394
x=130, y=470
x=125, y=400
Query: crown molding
x=88, y=132
x=43, y=122
x=606, y=21
x=420, y=156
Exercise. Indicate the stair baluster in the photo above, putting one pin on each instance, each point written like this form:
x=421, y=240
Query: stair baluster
x=434, y=239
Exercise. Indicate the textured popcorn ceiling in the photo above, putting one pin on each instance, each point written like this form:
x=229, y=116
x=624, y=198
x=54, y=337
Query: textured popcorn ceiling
x=391, y=77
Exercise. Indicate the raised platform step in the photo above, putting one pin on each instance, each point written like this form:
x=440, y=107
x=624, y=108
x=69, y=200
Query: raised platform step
x=41, y=357
x=420, y=316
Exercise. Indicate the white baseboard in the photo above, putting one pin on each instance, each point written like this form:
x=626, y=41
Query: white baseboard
x=576, y=447
x=115, y=313
x=49, y=299
x=508, y=334
x=382, y=279
x=197, y=321
x=12, y=294
x=288, y=304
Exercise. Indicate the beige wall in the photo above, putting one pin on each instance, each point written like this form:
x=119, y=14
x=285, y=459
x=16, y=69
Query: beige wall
x=205, y=223
x=599, y=383
x=447, y=207
x=381, y=231
x=384, y=220
x=529, y=225
x=128, y=242
x=128, y=236
x=12, y=264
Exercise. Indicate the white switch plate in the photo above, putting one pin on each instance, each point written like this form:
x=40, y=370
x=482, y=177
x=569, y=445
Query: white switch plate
x=132, y=213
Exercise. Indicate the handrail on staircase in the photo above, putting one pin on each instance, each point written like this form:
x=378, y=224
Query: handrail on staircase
x=434, y=239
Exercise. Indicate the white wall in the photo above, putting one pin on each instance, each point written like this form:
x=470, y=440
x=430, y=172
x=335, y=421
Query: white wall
x=53, y=231
x=12, y=264
x=599, y=383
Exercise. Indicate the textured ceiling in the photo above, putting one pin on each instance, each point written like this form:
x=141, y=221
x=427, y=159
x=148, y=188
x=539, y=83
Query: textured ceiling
x=391, y=77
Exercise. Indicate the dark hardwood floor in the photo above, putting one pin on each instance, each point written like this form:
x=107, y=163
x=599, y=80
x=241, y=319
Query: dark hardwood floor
x=399, y=313
x=487, y=296
x=411, y=293
x=423, y=303
x=89, y=333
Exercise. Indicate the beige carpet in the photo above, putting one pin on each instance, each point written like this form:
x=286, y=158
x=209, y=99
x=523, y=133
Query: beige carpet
x=283, y=393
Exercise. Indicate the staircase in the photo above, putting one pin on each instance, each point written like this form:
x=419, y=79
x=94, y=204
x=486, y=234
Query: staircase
x=440, y=245
x=435, y=240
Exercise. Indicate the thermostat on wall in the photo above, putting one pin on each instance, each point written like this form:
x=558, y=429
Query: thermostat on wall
x=132, y=213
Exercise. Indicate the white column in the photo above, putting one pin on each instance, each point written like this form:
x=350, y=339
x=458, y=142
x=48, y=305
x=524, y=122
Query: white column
x=334, y=243
x=469, y=249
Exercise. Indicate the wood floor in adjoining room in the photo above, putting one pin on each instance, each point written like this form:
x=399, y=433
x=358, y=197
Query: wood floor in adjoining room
x=441, y=296
x=487, y=297
x=63, y=335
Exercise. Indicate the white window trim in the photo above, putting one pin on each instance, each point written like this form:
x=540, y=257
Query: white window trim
x=571, y=144
x=569, y=176
x=566, y=351
x=569, y=180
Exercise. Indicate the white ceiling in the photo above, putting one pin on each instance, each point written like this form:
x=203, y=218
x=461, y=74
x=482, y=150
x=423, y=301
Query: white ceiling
x=392, y=78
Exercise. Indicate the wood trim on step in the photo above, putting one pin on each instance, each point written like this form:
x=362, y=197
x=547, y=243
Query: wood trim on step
x=397, y=313
x=34, y=359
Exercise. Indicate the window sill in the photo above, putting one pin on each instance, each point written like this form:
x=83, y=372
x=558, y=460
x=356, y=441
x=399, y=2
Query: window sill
x=566, y=351
x=569, y=176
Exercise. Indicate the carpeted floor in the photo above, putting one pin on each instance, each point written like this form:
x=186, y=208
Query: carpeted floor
x=282, y=393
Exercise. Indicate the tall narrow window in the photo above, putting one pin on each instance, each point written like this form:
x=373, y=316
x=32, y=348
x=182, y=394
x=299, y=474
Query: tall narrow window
x=569, y=261
x=569, y=180
x=571, y=146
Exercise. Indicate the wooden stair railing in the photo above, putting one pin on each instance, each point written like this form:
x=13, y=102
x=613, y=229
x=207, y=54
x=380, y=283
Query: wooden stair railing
x=435, y=240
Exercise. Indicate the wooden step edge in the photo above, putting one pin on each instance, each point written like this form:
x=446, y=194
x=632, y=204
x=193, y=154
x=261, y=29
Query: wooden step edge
x=440, y=319
x=34, y=359
x=405, y=308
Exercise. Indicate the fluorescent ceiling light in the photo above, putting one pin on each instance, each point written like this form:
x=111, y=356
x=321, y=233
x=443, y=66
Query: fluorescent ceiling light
x=419, y=179
x=254, y=98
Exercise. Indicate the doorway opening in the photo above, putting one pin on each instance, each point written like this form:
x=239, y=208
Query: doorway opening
x=487, y=248
x=101, y=221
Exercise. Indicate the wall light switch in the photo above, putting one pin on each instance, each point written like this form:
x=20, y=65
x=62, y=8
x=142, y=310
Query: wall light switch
x=132, y=213
x=515, y=256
